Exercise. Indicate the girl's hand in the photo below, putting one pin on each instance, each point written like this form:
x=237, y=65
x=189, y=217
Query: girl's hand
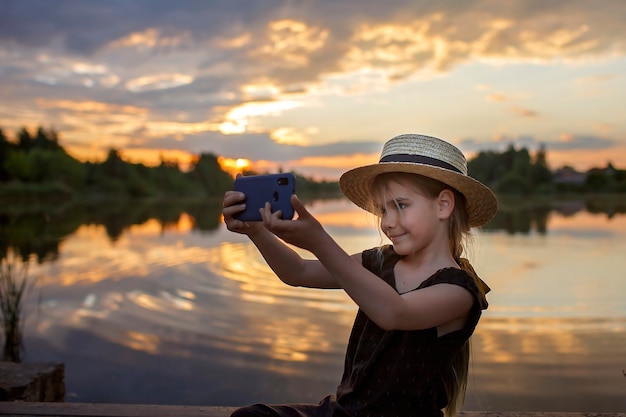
x=304, y=232
x=233, y=204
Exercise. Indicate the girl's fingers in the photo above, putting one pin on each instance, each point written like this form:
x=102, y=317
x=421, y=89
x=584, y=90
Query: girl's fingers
x=299, y=207
x=232, y=197
x=230, y=211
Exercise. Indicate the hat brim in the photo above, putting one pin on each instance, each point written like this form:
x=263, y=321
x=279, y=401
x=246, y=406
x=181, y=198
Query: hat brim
x=481, y=202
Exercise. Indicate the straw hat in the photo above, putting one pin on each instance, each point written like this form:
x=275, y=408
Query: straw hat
x=427, y=156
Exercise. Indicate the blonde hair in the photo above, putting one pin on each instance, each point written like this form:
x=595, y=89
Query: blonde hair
x=458, y=235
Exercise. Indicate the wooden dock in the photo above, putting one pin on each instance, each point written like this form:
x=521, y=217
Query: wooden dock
x=62, y=409
x=38, y=390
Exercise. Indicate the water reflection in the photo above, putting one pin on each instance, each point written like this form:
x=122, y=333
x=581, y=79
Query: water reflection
x=39, y=230
x=526, y=215
x=170, y=312
x=549, y=364
x=222, y=295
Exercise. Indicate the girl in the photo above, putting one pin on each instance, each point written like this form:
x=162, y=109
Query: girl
x=419, y=300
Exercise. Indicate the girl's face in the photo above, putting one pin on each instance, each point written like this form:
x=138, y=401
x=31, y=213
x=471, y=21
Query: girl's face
x=410, y=218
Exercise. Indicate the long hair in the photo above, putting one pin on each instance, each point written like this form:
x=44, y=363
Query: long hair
x=458, y=235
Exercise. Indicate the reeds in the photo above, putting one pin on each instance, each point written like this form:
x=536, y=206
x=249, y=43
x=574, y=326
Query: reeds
x=13, y=287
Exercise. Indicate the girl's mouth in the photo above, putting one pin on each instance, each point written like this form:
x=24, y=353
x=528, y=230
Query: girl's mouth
x=395, y=237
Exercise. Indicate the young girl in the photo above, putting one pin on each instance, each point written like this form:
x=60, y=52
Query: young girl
x=419, y=300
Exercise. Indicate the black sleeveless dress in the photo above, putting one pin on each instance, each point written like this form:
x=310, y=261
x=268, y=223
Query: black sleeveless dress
x=391, y=373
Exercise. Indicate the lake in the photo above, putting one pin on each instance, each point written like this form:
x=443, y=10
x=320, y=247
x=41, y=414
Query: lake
x=162, y=305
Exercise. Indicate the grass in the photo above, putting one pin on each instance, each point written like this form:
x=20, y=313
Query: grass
x=13, y=287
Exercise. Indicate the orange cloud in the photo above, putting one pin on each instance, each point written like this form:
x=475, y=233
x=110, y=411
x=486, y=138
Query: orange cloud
x=524, y=112
x=158, y=82
x=497, y=97
x=89, y=106
x=585, y=159
x=292, y=42
x=149, y=38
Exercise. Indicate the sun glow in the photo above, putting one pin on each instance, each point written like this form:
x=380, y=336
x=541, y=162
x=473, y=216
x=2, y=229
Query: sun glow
x=234, y=166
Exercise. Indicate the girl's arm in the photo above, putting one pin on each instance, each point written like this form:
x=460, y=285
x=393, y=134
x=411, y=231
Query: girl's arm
x=290, y=267
x=430, y=307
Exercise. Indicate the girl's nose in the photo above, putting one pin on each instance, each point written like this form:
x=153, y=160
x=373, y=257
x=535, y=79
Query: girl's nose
x=388, y=221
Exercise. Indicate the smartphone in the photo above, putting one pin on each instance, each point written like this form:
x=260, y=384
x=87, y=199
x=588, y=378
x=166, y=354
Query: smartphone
x=276, y=189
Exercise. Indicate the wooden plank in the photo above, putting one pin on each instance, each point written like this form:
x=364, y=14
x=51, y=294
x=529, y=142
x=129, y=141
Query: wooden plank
x=32, y=381
x=110, y=410
x=49, y=409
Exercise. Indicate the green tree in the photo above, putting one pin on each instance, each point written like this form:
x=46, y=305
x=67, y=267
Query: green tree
x=61, y=167
x=513, y=183
x=207, y=171
x=169, y=179
x=513, y=171
x=116, y=176
x=113, y=166
x=487, y=167
x=521, y=163
x=540, y=174
x=19, y=166
x=5, y=148
x=24, y=140
x=46, y=139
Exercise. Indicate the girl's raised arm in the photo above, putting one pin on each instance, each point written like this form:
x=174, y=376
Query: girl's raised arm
x=389, y=310
x=287, y=264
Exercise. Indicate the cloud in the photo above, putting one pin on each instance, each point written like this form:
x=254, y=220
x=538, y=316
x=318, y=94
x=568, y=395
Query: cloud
x=524, y=112
x=597, y=79
x=568, y=142
x=496, y=97
x=564, y=142
x=158, y=82
x=400, y=36
x=259, y=146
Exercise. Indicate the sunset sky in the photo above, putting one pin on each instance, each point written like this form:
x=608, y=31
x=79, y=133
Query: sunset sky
x=316, y=86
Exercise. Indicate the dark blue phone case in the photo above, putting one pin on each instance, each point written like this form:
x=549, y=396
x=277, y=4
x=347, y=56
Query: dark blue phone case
x=276, y=189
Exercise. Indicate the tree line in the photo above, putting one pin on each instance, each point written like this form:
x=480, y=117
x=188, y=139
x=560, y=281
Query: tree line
x=37, y=165
x=519, y=172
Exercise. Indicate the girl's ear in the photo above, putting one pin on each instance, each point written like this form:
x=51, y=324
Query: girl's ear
x=445, y=202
